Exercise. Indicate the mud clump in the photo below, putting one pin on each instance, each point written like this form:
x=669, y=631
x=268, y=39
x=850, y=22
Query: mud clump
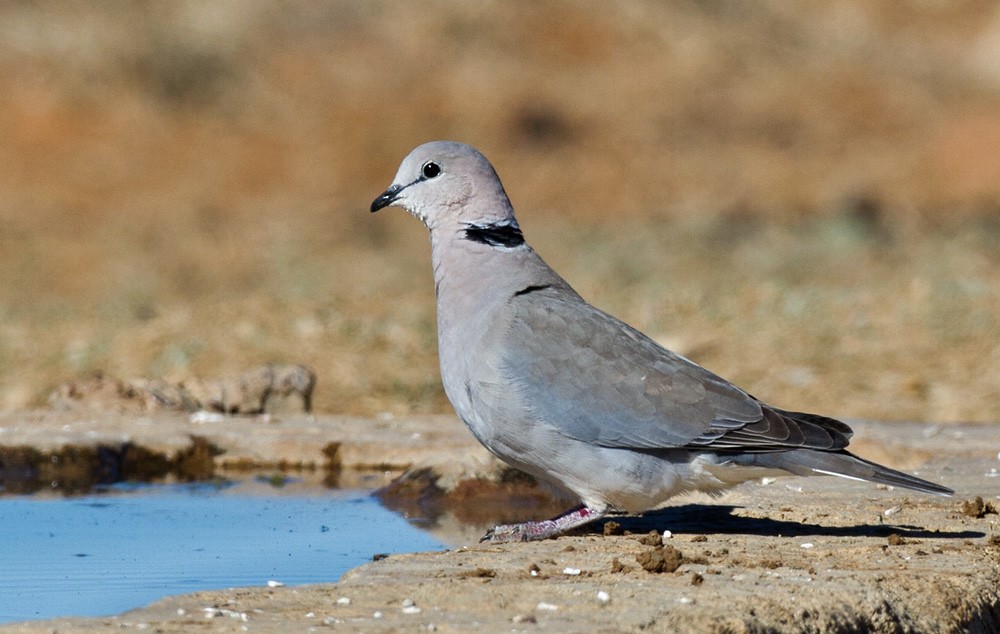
x=618, y=567
x=978, y=508
x=661, y=559
x=652, y=538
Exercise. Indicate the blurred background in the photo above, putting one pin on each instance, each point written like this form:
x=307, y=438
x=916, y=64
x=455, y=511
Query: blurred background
x=802, y=196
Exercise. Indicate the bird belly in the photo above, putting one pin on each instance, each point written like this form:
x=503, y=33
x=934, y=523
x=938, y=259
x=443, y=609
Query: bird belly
x=601, y=477
x=614, y=478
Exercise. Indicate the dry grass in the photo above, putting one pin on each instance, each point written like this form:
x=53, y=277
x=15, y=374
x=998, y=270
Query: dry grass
x=803, y=197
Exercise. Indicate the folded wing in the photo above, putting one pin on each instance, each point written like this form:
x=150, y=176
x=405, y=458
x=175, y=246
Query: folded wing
x=600, y=381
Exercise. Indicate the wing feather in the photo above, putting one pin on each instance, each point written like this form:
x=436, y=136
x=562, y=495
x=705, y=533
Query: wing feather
x=600, y=381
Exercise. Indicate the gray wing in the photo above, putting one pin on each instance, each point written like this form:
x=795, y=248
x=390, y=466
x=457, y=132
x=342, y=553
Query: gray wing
x=600, y=381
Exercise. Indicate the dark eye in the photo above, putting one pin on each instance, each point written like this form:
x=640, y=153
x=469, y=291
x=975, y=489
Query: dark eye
x=430, y=169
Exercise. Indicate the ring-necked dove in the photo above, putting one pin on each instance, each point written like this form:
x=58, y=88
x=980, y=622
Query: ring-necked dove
x=573, y=396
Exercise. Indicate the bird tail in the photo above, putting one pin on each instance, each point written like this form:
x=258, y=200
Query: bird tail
x=844, y=464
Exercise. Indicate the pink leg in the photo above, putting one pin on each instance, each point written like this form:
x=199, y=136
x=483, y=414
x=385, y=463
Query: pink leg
x=530, y=531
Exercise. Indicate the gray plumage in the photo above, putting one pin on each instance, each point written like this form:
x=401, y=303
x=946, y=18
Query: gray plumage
x=572, y=395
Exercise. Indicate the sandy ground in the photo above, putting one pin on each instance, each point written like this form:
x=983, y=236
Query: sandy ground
x=816, y=555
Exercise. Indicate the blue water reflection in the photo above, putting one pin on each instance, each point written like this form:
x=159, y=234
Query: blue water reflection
x=103, y=554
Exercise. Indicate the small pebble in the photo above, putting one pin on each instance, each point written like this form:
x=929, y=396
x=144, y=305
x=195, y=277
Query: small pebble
x=547, y=607
x=685, y=600
x=603, y=596
x=408, y=603
x=181, y=611
x=275, y=584
x=411, y=609
x=344, y=601
x=667, y=535
x=524, y=618
x=376, y=615
x=806, y=545
x=766, y=481
x=202, y=417
x=571, y=571
x=892, y=511
x=310, y=615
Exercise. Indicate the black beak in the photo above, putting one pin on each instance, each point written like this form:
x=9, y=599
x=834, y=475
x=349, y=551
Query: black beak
x=387, y=198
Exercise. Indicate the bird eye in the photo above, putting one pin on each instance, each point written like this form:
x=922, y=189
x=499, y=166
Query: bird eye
x=430, y=169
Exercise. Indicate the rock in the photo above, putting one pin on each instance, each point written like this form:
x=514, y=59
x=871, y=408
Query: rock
x=266, y=388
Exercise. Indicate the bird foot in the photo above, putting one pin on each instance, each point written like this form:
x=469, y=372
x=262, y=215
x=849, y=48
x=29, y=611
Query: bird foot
x=532, y=531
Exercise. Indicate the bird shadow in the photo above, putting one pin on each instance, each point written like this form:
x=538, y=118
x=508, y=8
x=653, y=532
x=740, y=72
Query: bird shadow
x=713, y=519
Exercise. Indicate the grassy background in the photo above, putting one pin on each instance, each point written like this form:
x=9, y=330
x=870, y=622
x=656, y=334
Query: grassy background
x=802, y=196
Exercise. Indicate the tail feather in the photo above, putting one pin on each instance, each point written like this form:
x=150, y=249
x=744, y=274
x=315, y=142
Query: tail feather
x=845, y=465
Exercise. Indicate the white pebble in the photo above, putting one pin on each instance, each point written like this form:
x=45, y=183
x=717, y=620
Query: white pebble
x=408, y=602
x=534, y=573
x=310, y=615
x=766, y=481
x=202, y=417
x=892, y=511
x=685, y=600
x=792, y=488
x=806, y=545
x=571, y=571
x=211, y=613
x=376, y=615
x=411, y=609
x=603, y=596
x=344, y=601
x=993, y=473
x=275, y=584
x=547, y=606
x=667, y=535
x=181, y=611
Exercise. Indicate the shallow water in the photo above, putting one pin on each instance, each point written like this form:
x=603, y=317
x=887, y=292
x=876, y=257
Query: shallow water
x=104, y=554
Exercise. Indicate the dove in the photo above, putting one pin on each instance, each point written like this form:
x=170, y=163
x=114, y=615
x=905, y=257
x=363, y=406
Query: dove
x=571, y=395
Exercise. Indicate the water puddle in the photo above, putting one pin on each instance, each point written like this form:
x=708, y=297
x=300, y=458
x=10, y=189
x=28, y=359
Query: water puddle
x=107, y=553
